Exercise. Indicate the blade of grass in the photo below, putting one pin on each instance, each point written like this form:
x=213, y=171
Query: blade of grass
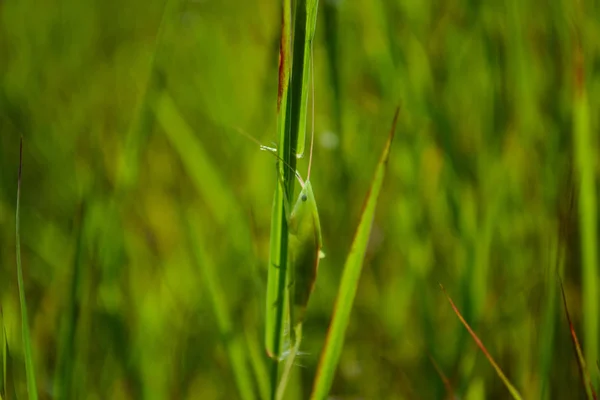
x=585, y=163
x=352, y=269
x=256, y=356
x=513, y=391
x=205, y=175
x=142, y=116
x=305, y=23
x=225, y=209
x=547, y=341
x=232, y=341
x=96, y=235
x=276, y=272
x=331, y=18
x=585, y=377
x=63, y=388
x=291, y=357
x=292, y=111
x=29, y=368
x=4, y=353
x=443, y=377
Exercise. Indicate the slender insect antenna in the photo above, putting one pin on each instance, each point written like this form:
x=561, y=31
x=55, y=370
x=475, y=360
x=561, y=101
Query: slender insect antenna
x=273, y=151
x=249, y=136
x=299, y=178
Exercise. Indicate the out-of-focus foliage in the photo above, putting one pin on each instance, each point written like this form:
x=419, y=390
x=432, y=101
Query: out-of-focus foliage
x=129, y=113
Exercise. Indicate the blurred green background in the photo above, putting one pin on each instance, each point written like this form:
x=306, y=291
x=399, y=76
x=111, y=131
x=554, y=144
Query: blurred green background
x=146, y=214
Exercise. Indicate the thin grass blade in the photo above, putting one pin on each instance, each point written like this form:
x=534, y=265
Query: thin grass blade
x=4, y=353
x=142, y=120
x=547, y=341
x=331, y=17
x=352, y=269
x=257, y=360
x=274, y=306
x=66, y=357
x=29, y=366
x=305, y=24
x=585, y=377
x=292, y=107
x=205, y=174
x=585, y=167
x=232, y=341
x=291, y=357
x=443, y=377
x=513, y=391
x=226, y=211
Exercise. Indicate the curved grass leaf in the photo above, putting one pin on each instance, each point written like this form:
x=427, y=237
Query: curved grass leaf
x=350, y=276
x=29, y=368
x=513, y=391
x=585, y=377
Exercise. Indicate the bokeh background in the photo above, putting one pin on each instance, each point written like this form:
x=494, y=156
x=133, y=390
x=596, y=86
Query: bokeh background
x=145, y=214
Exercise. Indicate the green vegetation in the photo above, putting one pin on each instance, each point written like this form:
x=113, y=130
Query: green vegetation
x=350, y=278
x=151, y=254
x=27, y=353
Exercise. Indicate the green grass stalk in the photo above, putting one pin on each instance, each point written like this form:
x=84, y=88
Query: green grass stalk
x=63, y=384
x=292, y=108
x=257, y=360
x=350, y=276
x=588, y=213
x=142, y=116
x=583, y=372
x=274, y=306
x=289, y=363
x=233, y=342
x=547, y=342
x=29, y=366
x=4, y=354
